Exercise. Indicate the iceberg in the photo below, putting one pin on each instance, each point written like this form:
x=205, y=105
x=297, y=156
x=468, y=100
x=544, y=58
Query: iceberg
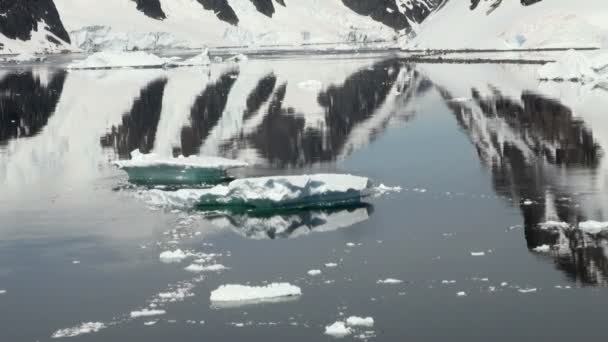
x=270, y=193
x=153, y=169
x=291, y=224
x=136, y=59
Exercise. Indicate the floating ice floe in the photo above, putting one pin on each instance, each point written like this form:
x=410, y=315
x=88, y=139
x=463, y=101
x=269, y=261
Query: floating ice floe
x=390, y=281
x=461, y=294
x=291, y=224
x=530, y=290
x=331, y=265
x=84, y=328
x=271, y=193
x=170, y=257
x=147, y=313
x=314, y=273
x=2, y=292
x=233, y=293
x=593, y=227
x=355, y=321
x=154, y=169
x=135, y=59
x=197, y=268
x=478, y=253
x=542, y=249
x=338, y=330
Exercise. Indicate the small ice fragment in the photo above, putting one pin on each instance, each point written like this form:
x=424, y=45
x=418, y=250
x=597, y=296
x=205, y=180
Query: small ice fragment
x=448, y=281
x=314, y=273
x=84, y=328
x=461, y=294
x=76, y=262
x=350, y=244
x=354, y=321
x=530, y=290
x=390, y=281
x=169, y=257
x=478, y=253
x=147, y=313
x=338, y=330
x=2, y=292
x=149, y=323
x=331, y=265
x=503, y=284
x=528, y=202
x=542, y=249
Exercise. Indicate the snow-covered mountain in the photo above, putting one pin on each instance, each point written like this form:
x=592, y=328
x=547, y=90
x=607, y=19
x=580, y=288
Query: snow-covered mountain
x=53, y=25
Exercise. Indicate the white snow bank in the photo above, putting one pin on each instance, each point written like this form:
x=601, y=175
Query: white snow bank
x=135, y=59
x=238, y=293
x=270, y=192
x=169, y=257
x=147, y=313
x=25, y=58
x=141, y=160
x=355, y=321
x=84, y=328
x=572, y=65
x=338, y=330
x=390, y=281
x=593, y=227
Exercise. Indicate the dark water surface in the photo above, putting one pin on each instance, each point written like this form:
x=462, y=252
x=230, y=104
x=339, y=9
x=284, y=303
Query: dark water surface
x=484, y=154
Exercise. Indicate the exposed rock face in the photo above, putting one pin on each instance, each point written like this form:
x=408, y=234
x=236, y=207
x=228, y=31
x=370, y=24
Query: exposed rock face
x=399, y=14
x=222, y=10
x=151, y=8
x=18, y=18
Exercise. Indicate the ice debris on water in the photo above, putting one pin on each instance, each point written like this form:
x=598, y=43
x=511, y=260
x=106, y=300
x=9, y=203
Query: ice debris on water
x=84, y=328
x=478, y=253
x=527, y=290
x=331, y=265
x=169, y=257
x=461, y=294
x=208, y=268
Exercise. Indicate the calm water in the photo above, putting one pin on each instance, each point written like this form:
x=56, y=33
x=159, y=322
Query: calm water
x=479, y=174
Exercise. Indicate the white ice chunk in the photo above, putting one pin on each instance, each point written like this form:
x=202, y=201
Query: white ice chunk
x=331, y=265
x=478, y=253
x=530, y=290
x=593, y=227
x=461, y=294
x=314, y=273
x=338, y=329
x=170, y=257
x=390, y=281
x=147, y=313
x=235, y=293
x=119, y=59
x=196, y=268
x=354, y=321
x=542, y=249
x=268, y=192
x=84, y=328
x=554, y=225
